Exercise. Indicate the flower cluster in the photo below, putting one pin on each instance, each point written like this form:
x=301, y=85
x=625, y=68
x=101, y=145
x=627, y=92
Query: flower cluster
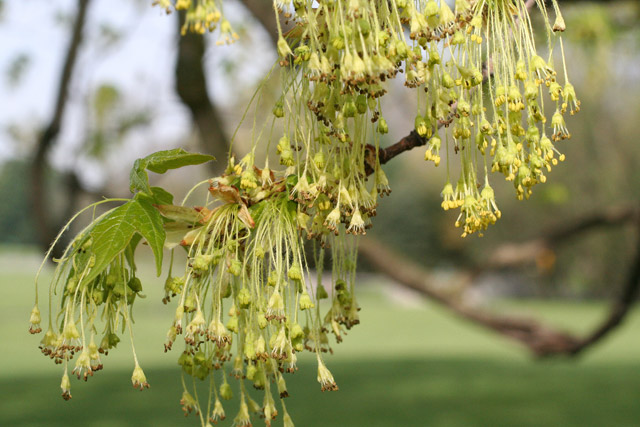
x=477, y=74
x=245, y=304
x=202, y=16
x=94, y=305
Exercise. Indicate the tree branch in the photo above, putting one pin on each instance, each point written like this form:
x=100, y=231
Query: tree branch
x=620, y=307
x=38, y=194
x=191, y=86
x=540, y=339
x=518, y=254
x=407, y=143
x=263, y=11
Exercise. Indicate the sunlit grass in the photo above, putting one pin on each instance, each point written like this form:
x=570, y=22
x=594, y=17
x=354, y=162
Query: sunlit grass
x=408, y=363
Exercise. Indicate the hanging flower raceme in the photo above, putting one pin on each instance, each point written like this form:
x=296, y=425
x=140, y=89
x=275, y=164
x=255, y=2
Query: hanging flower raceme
x=247, y=279
x=346, y=50
x=201, y=16
x=244, y=304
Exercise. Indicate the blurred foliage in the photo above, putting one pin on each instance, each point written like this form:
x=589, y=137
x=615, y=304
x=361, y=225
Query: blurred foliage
x=594, y=24
x=112, y=119
x=104, y=100
x=16, y=219
x=602, y=45
x=110, y=35
x=18, y=68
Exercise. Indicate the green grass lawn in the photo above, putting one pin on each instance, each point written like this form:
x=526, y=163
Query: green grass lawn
x=406, y=364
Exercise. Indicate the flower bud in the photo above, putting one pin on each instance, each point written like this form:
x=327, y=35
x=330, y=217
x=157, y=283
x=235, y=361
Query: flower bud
x=278, y=109
x=349, y=108
x=235, y=267
x=383, y=128
x=305, y=301
x=138, y=379
x=325, y=378
x=244, y=298
x=65, y=385
x=34, y=320
x=420, y=126
x=294, y=272
x=283, y=48
x=218, y=412
x=225, y=391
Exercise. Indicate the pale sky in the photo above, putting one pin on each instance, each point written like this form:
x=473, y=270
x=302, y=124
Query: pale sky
x=141, y=65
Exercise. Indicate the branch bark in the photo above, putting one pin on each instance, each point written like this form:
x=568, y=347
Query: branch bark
x=47, y=228
x=620, y=307
x=518, y=254
x=191, y=86
x=542, y=340
x=263, y=11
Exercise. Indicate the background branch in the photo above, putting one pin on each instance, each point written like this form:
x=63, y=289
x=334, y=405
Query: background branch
x=542, y=340
x=518, y=254
x=191, y=86
x=263, y=11
x=48, y=228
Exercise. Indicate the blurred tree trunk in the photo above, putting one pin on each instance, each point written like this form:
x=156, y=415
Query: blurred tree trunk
x=191, y=86
x=40, y=202
x=191, y=82
x=262, y=10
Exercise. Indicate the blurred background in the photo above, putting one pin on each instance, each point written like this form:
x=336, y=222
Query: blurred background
x=452, y=330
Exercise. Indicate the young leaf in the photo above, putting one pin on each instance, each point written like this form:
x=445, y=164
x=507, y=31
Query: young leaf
x=112, y=234
x=130, y=250
x=138, y=177
x=179, y=233
x=180, y=213
x=150, y=225
x=162, y=196
x=162, y=161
